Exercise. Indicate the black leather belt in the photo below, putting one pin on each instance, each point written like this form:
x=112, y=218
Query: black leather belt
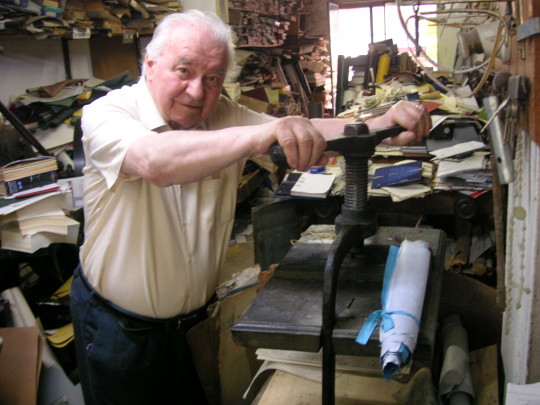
x=133, y=322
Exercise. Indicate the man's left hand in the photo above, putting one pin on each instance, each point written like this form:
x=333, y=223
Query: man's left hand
x=410, y=115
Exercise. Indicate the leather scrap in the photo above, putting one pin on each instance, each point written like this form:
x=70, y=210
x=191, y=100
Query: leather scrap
x=53, y=89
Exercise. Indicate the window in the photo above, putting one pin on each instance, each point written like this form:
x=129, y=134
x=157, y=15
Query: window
x=352, y=32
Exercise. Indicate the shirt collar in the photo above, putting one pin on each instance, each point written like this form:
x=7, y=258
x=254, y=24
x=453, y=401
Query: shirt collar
x=148, y=111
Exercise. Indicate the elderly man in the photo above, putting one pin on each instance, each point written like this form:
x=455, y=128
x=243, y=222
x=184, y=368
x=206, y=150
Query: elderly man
x=163, y=161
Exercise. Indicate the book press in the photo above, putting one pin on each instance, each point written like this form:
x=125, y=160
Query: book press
x=330, y=297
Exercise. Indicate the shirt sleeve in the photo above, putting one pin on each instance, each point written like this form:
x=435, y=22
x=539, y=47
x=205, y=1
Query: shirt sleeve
x=110, y=126
x=231, y=114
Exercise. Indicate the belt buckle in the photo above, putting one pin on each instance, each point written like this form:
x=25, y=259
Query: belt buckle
x=188, y=318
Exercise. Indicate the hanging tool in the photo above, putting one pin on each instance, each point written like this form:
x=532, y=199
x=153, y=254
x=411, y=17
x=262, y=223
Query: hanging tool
x=518, y=92
x=514, y=90
x=528, y=29
x=355, y=223
x=416, y=9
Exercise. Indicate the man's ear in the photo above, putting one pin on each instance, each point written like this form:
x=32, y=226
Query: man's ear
x=149, y=64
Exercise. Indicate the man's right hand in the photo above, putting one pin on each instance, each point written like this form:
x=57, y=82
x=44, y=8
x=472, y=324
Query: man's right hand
x=302, y=143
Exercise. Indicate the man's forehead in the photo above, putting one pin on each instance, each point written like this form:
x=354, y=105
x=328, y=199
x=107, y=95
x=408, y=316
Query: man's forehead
x=217, y=65
x=213, y=58
x=193, y=50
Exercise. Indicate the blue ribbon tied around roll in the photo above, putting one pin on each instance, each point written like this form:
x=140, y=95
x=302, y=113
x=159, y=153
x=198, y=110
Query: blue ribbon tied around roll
x=387, y=323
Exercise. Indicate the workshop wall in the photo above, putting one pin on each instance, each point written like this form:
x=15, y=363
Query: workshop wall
x=521, y=323
x=26, y=63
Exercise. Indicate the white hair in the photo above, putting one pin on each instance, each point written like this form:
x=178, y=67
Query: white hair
x=220, y=31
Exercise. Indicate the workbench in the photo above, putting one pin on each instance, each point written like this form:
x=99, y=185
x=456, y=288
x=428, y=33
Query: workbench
x=287, y=312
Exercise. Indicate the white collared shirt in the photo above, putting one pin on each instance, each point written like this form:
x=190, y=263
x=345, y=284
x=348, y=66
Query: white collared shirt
x=153, y=251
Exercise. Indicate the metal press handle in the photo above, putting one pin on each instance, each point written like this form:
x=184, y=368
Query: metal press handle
x=356, y=139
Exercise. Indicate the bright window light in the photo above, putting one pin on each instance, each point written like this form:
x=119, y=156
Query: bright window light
x=351, y=31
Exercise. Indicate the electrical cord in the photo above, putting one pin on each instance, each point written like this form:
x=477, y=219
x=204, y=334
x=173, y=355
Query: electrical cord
x=489, y=63
x=496, y=47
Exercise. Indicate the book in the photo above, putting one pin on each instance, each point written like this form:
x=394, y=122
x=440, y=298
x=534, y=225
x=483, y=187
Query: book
x=34, y=191
x=19, y=169
x=27, y=183
x=313, y=185
x=12, y=238
x=397, y=174
x=57, y=224
x=42, y=206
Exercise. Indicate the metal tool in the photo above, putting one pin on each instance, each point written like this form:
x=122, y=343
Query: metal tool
x=503, y=154
x=528, y=29
x=355, y=223
x=518, y=92
x=514, y=89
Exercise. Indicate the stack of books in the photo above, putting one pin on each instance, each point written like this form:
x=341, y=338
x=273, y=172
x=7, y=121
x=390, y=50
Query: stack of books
x=26, y=177
x=36, y=224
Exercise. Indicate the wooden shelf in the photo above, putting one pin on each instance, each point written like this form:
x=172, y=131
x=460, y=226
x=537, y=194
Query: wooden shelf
x=259, y=46
x=260, y=12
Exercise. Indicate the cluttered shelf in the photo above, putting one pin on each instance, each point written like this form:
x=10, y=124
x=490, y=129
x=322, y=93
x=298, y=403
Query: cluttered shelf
x=242, y=46
x=76, y=19
x=268, y=13
x=266, y=27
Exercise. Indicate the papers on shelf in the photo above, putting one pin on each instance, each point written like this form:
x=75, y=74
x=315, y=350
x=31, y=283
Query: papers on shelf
x=468, y=174
x=457, y=150
x=462, y=167
x=416, y=189
x=406, y=191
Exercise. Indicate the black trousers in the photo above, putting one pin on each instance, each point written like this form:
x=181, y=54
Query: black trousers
x=124, y=358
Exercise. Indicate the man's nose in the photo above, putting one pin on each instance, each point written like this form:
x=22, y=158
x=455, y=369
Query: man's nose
x=196, y=89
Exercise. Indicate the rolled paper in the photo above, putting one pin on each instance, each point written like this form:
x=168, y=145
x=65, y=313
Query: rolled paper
x=404, y=288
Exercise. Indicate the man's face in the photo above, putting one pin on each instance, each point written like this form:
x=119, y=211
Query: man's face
x=186, y=81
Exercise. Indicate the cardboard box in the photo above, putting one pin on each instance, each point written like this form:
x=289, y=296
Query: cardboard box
x=20, y=365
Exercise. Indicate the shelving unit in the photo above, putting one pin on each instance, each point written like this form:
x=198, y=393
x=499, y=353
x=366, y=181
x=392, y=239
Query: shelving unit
x=275, y=31
x=256, y=29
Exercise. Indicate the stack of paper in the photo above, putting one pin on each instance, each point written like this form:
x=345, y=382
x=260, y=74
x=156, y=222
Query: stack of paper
x=400, y=181
x=467, y=174
x=37, y=224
